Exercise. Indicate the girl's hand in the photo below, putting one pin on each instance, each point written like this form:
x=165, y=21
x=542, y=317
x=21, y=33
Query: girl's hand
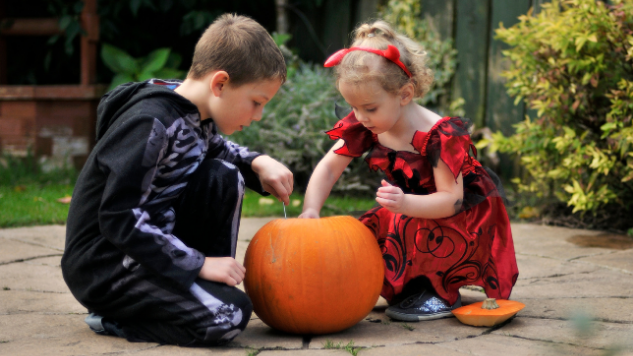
x=309, y=214
x=391, y=197
x=222, y=269
x=276, y=178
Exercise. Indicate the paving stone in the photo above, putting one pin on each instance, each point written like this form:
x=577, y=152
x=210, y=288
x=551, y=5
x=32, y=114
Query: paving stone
x=13, y=250
x=565, y=278
x=410, y=350
x=551, y=241
x=258, y=335
x=250, y=226
x=598, y=334
x=531, y=267
x=470, y=296
x=498, y=345
x=304, y=352
x=240, y=251
x=599, y=283
x=24, y=302
x=169, y=350
x=620, y=260
x=602, y=309
x=51, y=236
x=29, y=276
x=369, y=332
x=32, y=334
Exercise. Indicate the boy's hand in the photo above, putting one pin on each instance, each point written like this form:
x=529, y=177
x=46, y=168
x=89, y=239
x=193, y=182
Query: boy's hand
x=276, y=178
x=222, y=269
x=309, y=214
x=390, y=197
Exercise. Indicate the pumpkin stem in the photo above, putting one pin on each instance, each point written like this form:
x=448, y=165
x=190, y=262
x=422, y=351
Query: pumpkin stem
x=489, y=303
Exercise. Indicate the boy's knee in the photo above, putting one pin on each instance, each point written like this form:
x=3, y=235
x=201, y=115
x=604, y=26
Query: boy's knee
x=222, y=173
x=227, y=321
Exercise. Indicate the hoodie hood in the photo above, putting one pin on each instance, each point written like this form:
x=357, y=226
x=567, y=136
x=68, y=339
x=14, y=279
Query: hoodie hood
x=124, y=96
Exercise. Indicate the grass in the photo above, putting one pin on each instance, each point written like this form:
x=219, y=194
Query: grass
x=33, y=204
x=28, y=196
x=349, y=347
x=251, y=352
x=257, y=206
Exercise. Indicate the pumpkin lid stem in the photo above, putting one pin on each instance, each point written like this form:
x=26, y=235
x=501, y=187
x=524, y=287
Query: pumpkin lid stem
x=490, y=303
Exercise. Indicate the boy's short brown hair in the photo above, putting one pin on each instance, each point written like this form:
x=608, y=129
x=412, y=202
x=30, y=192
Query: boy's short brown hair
x=241, y=47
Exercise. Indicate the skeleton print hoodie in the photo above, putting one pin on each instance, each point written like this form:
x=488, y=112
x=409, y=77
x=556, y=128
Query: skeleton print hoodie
x=149, y=141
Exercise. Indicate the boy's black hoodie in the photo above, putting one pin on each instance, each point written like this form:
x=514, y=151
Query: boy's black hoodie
x=149, y=142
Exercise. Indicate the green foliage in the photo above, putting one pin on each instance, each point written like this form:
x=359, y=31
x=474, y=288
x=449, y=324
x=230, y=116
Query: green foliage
x=69, y=23
x=33, y=204
x=349, y=347
x=572, y=64
x=405, y=16
x=28, y=195
x=293, y=125
x=161, y=63
x=27, y=170
x=255, y=205
x=291, y=58
x=197, y=20
x=251, y=352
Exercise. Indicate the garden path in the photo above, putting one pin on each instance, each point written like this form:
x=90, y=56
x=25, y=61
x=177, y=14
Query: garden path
x=579, y=301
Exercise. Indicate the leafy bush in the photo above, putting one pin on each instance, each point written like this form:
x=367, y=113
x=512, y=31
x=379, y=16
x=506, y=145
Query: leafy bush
x=161, y=63
x=16, y=171
x=572, y=63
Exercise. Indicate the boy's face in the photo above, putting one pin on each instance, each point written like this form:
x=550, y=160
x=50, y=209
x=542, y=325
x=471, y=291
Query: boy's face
x=237, y=107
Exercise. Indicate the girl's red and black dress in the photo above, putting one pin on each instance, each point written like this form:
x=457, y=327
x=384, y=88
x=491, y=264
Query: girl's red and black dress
x=472, y=247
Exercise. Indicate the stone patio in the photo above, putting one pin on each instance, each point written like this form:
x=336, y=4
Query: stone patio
x=579, y=301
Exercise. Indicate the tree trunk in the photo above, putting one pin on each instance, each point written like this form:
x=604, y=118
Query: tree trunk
x=282, y=17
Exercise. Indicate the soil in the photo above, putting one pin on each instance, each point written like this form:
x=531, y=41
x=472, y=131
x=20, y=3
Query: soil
x=612, y=241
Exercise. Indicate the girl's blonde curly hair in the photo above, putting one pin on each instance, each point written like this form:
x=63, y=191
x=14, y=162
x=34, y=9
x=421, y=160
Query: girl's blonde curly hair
x=354, y=67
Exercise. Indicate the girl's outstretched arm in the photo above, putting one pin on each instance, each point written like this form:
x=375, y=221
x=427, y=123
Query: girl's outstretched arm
x=322, y=180
x=446, y=202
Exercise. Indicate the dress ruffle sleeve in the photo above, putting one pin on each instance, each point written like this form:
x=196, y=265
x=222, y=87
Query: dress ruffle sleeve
x=449, y=141
x=356, y=137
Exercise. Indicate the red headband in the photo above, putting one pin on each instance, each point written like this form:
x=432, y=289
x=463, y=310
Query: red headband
x=391, y=53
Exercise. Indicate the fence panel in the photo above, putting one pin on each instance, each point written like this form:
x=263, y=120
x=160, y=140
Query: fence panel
x=471, y=40
x=501, y=113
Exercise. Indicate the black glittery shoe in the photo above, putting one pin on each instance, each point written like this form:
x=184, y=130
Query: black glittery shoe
x=422, y=306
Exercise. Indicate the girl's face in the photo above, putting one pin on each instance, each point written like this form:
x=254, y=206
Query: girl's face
x=375, y=108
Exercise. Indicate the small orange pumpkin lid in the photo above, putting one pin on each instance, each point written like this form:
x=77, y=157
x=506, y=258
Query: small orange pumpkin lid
x=486, y=314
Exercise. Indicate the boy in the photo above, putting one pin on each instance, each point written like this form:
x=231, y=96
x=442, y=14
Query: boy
x=152, y=228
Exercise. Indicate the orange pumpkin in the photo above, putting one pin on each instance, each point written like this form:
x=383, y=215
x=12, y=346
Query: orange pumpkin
x=313, y=276
x=485, y=314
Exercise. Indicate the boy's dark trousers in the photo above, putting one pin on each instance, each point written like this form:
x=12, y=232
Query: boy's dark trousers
x=150, y=308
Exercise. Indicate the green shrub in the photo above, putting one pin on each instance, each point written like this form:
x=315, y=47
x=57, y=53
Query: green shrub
x=161, y=63
x=572, y=64
x=16, y=171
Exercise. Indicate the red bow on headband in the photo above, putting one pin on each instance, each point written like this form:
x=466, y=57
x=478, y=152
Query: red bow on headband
x=391, y=53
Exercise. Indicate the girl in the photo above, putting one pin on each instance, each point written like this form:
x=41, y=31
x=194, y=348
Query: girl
x=441, y=223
